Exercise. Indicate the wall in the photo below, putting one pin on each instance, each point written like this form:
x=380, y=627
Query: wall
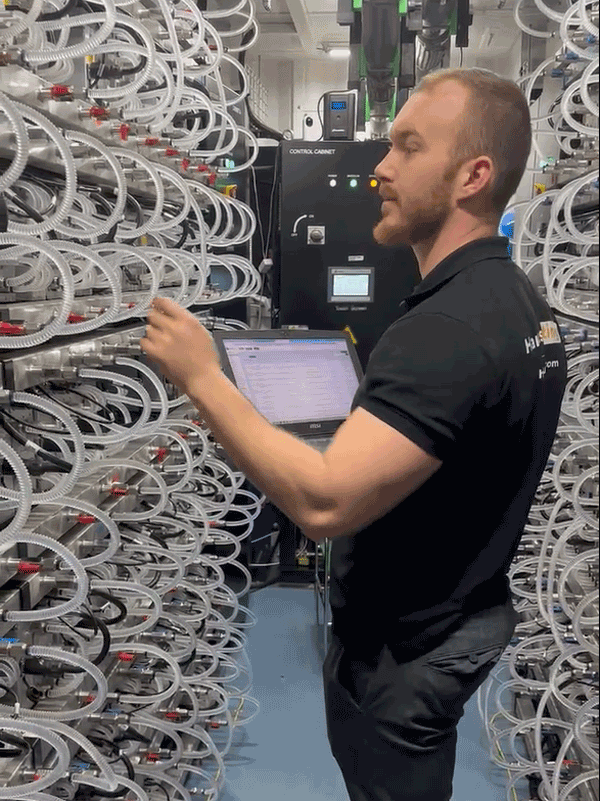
x=295, y=88
x=312, y=78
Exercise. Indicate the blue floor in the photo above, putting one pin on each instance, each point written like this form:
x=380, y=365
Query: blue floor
x=284, y=753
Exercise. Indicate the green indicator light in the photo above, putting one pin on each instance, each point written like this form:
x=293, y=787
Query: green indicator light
x=353, y=183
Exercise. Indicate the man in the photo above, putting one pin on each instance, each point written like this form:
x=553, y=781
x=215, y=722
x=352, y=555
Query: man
x=427, y=485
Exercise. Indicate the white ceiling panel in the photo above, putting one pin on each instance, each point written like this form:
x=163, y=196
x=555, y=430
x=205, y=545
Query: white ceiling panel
x=314, y=22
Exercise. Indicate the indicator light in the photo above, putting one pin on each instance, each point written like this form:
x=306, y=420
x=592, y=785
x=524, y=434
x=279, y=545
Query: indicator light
x=333, y=182
x=374, y=183
x=353, y=183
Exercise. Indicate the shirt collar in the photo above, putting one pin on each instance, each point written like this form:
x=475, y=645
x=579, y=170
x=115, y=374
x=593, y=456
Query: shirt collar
x=491, y=247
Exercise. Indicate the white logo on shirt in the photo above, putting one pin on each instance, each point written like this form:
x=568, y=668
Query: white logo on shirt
x=548, y=366
x=548, y=335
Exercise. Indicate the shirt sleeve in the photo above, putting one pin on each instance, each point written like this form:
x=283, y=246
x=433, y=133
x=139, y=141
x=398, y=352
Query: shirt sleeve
x=428, y=377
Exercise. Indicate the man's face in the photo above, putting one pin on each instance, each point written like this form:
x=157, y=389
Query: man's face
x=414, y=176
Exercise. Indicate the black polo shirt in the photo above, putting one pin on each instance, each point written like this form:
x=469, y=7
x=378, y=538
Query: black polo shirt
x=473, y=371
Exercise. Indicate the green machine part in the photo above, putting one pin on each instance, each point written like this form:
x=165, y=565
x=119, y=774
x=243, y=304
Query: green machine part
x=402, y=6
x=362, y=71
x=362, y=63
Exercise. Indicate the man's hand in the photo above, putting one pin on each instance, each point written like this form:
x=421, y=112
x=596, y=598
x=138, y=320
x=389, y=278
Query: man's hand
x=179, y=344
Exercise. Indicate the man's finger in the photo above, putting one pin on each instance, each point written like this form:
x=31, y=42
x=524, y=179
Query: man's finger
x=152, y=335
x=146, y=346
x=166, y=306
x=156, y=319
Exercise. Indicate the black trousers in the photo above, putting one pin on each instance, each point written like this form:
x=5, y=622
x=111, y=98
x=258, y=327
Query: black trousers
x=392, y=723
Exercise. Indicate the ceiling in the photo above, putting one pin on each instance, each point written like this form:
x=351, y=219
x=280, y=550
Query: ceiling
x=295, y=29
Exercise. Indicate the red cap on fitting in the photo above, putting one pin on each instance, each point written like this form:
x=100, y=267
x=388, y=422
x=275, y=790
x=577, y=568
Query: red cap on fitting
x=28, y=567
x=85, y=519
x=59, y=90
x=125, y=656
x=98, y=112
x=10, y=328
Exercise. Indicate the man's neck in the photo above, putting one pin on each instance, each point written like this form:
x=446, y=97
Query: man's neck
x=429, y=255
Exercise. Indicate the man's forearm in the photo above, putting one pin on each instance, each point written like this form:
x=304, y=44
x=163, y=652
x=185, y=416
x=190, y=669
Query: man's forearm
x=289, y=472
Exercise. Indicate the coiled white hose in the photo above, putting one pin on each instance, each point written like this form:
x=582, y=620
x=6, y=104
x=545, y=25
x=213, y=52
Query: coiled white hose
x=29, y=244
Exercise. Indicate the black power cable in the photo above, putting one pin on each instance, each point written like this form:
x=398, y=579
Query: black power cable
x=3, y=214
x=67, y=388
x=29, y=210
x=102, y=743
x=83, y=415
x=10, y=745
x=115, y=602
x=59, y=13
x=22, y=440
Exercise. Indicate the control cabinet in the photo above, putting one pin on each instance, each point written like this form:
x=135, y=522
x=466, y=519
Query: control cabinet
x=330, y=273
